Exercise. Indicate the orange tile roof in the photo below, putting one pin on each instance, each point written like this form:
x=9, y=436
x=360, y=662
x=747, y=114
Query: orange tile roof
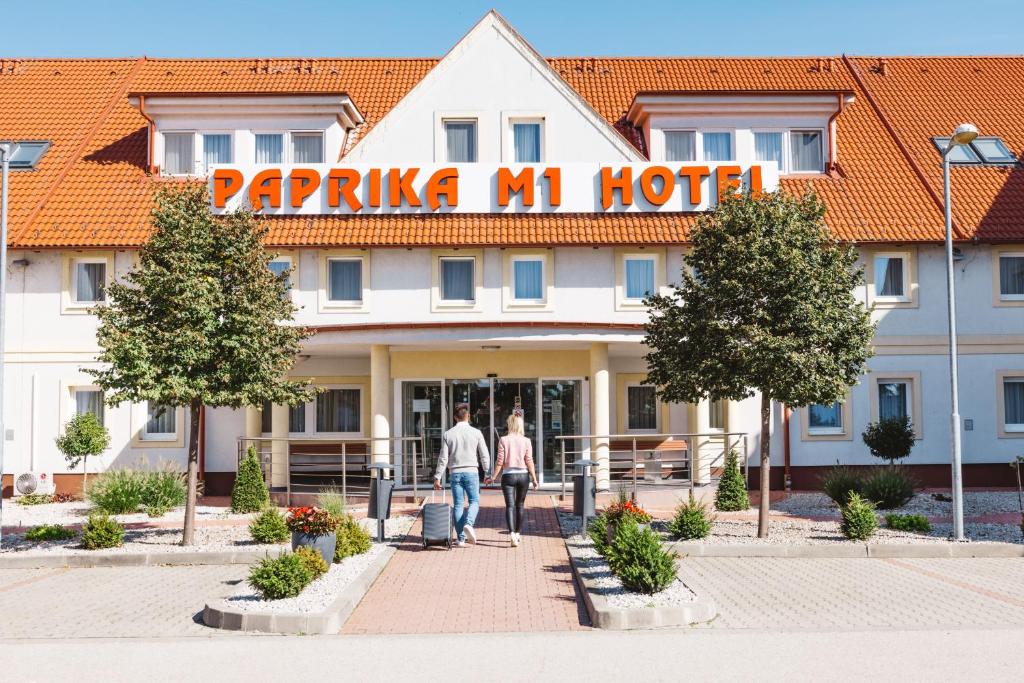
x=91, y=188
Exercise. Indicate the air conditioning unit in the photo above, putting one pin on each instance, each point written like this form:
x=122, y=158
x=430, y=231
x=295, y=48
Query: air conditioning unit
x=33, y=482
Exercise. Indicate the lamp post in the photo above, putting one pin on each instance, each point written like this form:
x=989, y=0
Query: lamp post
x=7, y=150
x=963, y=135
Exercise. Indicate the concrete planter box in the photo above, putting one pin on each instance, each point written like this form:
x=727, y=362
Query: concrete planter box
x=852, y=549
x=125, y=559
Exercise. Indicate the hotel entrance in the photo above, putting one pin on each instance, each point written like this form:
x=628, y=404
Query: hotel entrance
x=550, y=408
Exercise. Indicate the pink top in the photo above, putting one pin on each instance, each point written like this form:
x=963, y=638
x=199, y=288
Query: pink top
x=515, y=452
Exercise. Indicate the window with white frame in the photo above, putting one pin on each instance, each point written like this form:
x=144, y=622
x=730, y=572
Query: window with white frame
x=307, y=147
x=638, y=274
x=216, y=149
x=458, y=278
x=160, y=423
x=460, y=140
x=768, y=147
x=895, y=399
x=527, y=141
x=280, y=266
x=641, y=408
x=680, y=145
x=179, y=153
x=805, y=151
x=345, y=280
x=528, y=278
x=717, y=146
x=297, y=419
x=1011, y=276
x=88, y=280
x=825, y=418
x=269, y=148
x=1013, y=404
x=338, y=411
x=89, y=400
x=892, y=277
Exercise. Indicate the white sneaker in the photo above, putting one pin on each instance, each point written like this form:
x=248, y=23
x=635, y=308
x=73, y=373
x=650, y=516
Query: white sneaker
x=460, y=543
x=515, y=540
x=470, y=534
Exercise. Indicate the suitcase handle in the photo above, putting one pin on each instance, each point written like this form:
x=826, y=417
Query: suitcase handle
x=433, y=491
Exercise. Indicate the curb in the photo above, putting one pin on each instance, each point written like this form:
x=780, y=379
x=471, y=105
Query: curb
x=329, y=620
x=68, y=560
x=852, y=550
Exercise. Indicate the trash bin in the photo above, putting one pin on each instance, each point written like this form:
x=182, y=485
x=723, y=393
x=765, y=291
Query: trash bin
x=381, y=490
x=584, y=492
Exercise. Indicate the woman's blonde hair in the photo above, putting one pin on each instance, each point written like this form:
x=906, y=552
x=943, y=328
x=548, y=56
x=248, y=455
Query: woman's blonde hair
x=515, y=424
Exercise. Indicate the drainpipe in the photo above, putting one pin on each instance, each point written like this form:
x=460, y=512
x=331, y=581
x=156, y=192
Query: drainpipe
x=831, y=135
x=149, y=134
x=787, y=412
x=202, y=443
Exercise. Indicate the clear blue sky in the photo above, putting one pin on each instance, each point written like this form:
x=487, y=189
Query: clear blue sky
x=210, y=28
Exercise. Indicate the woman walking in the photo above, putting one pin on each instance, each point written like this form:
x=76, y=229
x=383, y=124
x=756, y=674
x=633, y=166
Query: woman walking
x=514, y=465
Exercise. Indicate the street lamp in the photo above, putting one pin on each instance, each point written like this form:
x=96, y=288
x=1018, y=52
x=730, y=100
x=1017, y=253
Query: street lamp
x=7, y=150
x=963, y=135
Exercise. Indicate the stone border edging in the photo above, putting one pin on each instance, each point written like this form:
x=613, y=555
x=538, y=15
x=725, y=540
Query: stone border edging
x=851, y=550
x=121, y=559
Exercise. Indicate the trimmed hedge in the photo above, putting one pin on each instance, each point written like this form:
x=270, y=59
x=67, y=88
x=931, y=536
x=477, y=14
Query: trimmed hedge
x=249, y=493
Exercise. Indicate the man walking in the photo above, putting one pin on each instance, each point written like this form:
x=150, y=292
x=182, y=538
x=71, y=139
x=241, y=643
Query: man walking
x=464, y=452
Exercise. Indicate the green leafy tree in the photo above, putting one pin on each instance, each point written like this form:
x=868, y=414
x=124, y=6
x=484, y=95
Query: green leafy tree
x=732, y=487
x=83, y=436
x=772, y=311
x=891, y=439
x=200, y=321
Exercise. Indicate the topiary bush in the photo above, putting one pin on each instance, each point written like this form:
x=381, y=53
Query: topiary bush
x=280, y=577
x=352, y=538
x=890, y=439
x=313, y=562
x=691, y=520
x=49, y=532
x=917, y=524
x=639, y=561
x=840, y=481
x=117, y=492
x=859, y=522
x=888, y=487
x=249, y=494
x=270, y=526
x=100, y=531
x=732, y=489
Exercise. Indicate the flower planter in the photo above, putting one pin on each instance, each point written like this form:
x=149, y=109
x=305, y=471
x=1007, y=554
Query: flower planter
x=322, y=543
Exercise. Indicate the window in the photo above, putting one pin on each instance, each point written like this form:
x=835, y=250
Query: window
x=267, y=418
x=460, y=141
x=337, y=410
x=717, y=146
x=680, y=145
x=345, y=280
x=989, y=150
x=639, y=281
x=269, y=148
x=160, y=422
x=307, y=148
x=642, y=408
x=179, y=153
x=1013, y=404
x=825, y=418
x=89, y=401
x=1011, y=276
x=891, y=280
x=89, y=281
x=528, y=279
x=280, y=266
x=961, y=154
x=458, y=279
x=768, y=147
x=716, y=415
x=805, y=154
x=297, y=419
x=526, y=142
x=26, y=155
x=894, y=399
x=216, y=149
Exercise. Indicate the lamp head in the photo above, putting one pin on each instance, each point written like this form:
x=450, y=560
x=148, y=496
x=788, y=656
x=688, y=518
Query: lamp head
x=964, y=134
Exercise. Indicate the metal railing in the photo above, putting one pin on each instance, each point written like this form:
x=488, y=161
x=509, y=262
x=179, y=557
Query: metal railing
x=313, y=465
x=672, y=450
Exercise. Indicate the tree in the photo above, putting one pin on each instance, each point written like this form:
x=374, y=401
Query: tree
x=83, y=436
x=890, y=439
x=249, y=494
x=200, y=321
x=766, y=305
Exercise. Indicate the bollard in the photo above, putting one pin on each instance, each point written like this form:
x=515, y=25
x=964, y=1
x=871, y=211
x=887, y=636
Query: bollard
x=381, y=488
x=584, y=492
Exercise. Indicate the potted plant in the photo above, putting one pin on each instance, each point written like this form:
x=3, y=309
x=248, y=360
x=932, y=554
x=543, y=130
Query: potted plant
x=313, y=527
x=616, y=512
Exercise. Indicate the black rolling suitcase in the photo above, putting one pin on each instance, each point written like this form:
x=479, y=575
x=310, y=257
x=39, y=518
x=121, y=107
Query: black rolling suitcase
x=437, y=522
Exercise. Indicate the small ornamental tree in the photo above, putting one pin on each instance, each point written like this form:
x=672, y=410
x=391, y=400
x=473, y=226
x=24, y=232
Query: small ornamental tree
x=200, y=321
x=765, y=305
x=891, y=439
x=249, y=494
x=83, y=436
x=731, y=495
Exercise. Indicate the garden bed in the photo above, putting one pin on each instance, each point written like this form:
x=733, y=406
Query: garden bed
x=826, y=532
x=976, y=504
x=77, y=512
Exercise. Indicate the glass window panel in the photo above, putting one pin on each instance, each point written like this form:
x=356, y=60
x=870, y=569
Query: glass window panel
x=893, y=400
x=1011, y=276
x=216, y=149
x=89, y=401
x=159, y=419
x=825, y=416
x=269, y=148
x=716, y=414
x=307, y=148
x=639, y=278
x=457, y=280
x=337, y=410
x=961, y=154
x=1013, y=402
x=345, y=279
x=528, y=279
x=768, y=147
x=27, y=154
x=297, y=419
x=278, y=268
x=526, y=139
x=680, y=145
x=643, y=408
x=179, y=153
x=90, y=281
x=267, y=417
x=805, y=151
x=460, y=138
x=889, y=276
x=717, y=146
x=993, y=150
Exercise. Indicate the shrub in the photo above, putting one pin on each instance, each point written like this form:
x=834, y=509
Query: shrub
x=639, y=561
x=353, y=539
x=732, y=489
x=890, y=439
x=280, y=577
x=840, y=482
x=64, y=498
x=311, y=520
x=269, y=527
x=859, y=521
x=83, y=436
x=313, y=562
x=332, y=501
x=889, y=487
x=623, y=509
x=49, y=532
x=598, y=532
x=34, y=499
x=691, y=520
x=917, y=524
x=249, y=494
x=100, y=531
x=164, y=489
x=117, y=492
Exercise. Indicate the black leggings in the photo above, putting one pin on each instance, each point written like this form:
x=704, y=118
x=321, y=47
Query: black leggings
x=515, y=486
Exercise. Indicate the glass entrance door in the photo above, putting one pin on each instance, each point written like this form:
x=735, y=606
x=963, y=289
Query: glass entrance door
x=508, y=395
x=560, y=415
x=421, y=416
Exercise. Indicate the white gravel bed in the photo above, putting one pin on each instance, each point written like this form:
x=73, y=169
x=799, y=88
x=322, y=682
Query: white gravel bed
x=595, y=568
x=77, y=512
x=150, y=540
x=929, y=504
x=322, y=592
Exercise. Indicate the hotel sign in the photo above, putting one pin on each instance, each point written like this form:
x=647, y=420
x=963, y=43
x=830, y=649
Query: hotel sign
x=482, y=188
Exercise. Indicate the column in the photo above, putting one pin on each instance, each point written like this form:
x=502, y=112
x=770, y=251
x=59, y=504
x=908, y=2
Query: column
x=700, y=423
x=380, y=401
x=600, y=411
x=279, y=446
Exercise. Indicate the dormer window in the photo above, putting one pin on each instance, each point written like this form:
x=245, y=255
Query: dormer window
x=680, y=145
x=308, y=148
x=179, y=153
x=216, y=149
x=269, y=148
x=717, y=146
x=768, y=147
x=805, y=153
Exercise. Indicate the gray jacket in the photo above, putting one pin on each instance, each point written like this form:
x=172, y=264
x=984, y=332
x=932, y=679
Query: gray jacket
x=464, y=446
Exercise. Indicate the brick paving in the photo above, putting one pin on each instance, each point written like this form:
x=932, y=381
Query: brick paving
x=489, y=587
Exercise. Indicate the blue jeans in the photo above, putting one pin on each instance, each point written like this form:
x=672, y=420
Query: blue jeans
x=465, y=484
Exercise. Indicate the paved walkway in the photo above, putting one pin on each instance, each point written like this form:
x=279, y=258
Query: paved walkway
x=487, y=587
